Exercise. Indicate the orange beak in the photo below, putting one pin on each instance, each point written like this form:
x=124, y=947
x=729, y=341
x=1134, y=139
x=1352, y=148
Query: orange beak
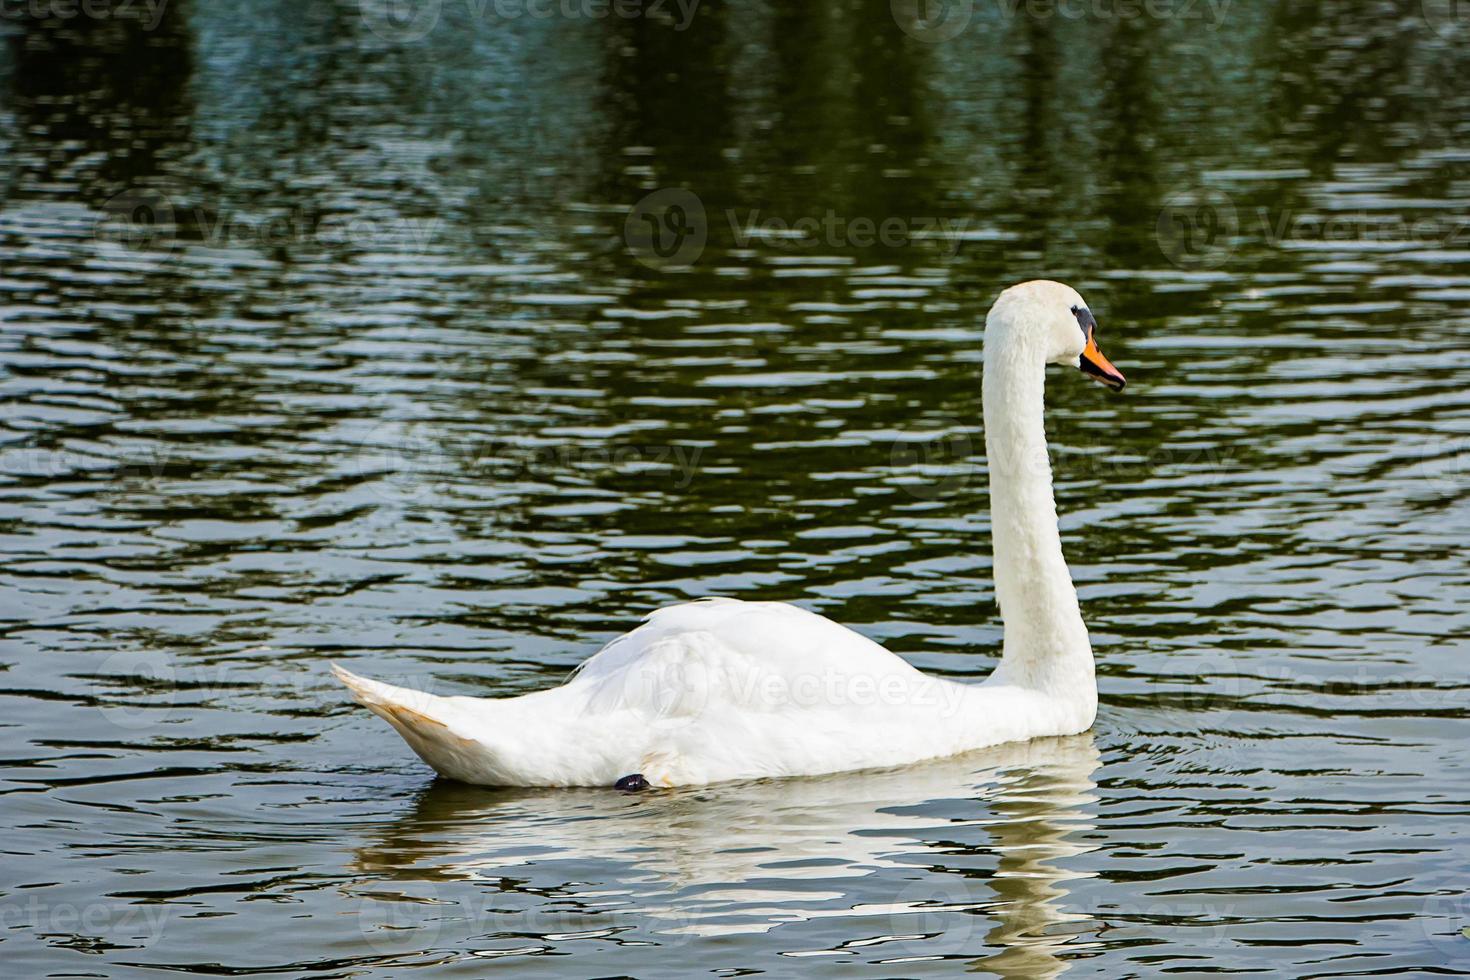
x=1100, y=367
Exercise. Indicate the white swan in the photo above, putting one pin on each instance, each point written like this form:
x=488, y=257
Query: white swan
x=722, y=689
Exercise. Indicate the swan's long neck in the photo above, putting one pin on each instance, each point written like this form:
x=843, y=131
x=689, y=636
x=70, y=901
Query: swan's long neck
x=1046, y=646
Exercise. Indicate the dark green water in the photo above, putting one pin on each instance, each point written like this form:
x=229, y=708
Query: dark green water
x=330, y=337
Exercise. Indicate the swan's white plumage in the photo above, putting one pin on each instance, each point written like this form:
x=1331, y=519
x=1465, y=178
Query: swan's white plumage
x=722, y=689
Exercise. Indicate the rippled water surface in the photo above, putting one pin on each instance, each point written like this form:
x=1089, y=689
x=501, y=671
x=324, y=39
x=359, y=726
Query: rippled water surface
x=323, y=341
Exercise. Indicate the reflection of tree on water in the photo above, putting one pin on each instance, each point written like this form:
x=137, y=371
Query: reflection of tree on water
x=101, y=103
x=918, y=855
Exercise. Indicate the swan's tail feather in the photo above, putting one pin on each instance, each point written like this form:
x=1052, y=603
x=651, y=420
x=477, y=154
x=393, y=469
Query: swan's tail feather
x=426, y=722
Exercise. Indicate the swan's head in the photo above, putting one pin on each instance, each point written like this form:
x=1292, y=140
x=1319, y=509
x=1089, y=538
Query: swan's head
x=1053, y=317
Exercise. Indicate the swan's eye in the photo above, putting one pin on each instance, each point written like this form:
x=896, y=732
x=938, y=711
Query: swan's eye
x=1084, y=320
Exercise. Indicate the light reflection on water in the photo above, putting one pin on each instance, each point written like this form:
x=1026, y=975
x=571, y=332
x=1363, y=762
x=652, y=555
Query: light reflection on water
x=390, y=387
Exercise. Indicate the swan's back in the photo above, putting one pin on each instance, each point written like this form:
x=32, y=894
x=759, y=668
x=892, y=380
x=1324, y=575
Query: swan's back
x=772, y=637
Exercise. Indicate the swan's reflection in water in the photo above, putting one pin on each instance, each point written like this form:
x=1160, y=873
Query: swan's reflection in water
x=960, y=858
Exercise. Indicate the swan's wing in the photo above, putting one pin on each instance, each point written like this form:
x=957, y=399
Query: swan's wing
x=723, y=689
x=714, y=656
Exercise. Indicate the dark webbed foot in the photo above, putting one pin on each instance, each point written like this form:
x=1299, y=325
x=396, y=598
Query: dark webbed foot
x=631, y=784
